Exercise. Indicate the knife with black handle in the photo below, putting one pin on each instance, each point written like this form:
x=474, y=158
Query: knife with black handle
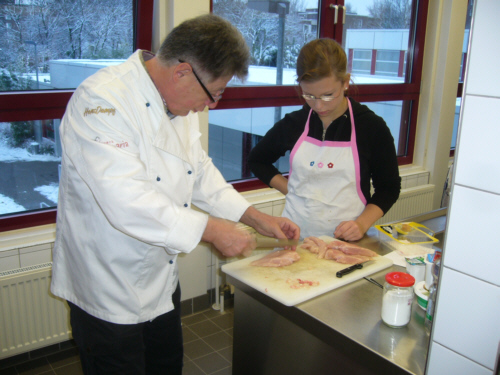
x=347, y=270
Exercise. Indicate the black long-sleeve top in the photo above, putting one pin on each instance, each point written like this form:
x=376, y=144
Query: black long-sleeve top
x=377, y=154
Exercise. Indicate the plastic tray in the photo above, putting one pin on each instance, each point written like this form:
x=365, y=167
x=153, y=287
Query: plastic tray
x=408, y=239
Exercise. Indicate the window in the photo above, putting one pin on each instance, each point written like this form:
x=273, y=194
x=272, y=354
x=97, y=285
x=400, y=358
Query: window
x=465, y=48
x=360, y=61
x=383, y=40
x=46, y=52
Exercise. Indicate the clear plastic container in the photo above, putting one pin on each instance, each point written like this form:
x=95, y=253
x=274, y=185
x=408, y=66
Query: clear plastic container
x=397, y=300
x=407, y=239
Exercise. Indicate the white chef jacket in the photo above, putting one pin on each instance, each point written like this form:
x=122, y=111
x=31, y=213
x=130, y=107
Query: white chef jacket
x=129, y=176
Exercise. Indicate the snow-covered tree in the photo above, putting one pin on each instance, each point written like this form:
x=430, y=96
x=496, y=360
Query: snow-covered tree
x=391, y=14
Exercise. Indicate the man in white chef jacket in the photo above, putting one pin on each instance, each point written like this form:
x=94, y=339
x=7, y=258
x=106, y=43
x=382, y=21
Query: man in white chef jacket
x=132, y=166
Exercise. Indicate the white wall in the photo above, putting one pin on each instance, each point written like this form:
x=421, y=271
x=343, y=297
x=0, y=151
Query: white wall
x=466, y=333
x=441, y=69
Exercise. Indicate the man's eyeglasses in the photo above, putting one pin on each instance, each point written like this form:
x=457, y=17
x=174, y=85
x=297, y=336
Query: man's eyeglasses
x=325, y=98
x=213, y=98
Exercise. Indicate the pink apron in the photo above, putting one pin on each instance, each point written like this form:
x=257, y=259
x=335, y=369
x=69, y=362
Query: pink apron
x=324, y=183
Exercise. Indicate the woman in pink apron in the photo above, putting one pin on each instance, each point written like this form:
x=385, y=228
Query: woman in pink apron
x=338, y=149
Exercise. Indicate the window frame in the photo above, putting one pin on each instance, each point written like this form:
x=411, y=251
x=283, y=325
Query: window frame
x=408, y=92
x=46, y=105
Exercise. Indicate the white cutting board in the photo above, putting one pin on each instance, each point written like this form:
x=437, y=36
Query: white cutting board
x=273, y=280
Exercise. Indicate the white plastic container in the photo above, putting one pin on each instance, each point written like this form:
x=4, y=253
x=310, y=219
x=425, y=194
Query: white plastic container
x=397, y=299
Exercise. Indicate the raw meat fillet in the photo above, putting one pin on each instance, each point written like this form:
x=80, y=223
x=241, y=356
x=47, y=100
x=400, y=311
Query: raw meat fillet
x=350, y=249
x=311, y=246
x=278, y=258
x=315, y=245
x=340, y=257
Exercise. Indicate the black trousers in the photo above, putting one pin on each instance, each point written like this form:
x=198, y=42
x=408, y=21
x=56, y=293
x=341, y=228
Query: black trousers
x=153, y=347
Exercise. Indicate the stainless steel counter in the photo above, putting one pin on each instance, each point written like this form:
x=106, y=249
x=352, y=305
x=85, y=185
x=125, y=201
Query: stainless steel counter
x=339, y=332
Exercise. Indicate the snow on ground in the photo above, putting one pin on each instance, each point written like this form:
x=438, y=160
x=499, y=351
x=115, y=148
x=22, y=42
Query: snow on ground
x=7, y=205
x=49, y=191
x=11, y=154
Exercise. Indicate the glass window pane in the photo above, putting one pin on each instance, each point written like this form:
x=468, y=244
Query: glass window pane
x=30, y=154
x=56, y=45
x=274, y=34
x=465, y=45
x=391, y=112
x=381, y=27
x=231, y=141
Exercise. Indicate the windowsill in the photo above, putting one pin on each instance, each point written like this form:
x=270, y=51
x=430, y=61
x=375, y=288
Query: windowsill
x=262, y=195
x=27, y=237
x=410, y=169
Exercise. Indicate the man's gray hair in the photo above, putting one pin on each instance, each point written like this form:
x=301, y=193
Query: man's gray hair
x=209, y=43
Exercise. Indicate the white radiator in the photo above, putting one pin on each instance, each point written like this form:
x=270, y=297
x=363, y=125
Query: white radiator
x=412, y=201
x=30, y=316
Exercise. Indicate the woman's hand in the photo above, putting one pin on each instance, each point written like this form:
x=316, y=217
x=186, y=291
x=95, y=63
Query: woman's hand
x=349, y=231
x=353, y=230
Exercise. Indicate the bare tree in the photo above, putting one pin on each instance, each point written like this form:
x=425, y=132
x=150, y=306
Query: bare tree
x=391, y=14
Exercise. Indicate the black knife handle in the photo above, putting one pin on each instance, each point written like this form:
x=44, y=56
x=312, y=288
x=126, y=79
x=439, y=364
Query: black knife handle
x=347, y=270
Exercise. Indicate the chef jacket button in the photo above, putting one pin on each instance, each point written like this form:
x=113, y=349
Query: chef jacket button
x=189, y=172
x=147, y=104
x=185, y=204
x=158, y=178
x=171, y=261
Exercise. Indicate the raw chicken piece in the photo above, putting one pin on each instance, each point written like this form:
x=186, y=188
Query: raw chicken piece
x=318, y=246
x=339, y=251
x=311, y=246
x=340, y=257
x=350, y=249
x=278, y=258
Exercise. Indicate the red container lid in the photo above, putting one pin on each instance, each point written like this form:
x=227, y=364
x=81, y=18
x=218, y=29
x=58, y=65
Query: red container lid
x=400, y=279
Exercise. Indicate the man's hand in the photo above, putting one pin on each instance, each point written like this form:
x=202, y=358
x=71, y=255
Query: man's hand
x=227, y=238
x=271, y=226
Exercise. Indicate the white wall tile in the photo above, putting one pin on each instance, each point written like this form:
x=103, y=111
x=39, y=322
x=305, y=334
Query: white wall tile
x=192, y=271
x=32, y=258
x=479, y=136
x=31, y=249
x=278, y=207
x=411, y=181
x=484, y=69
x=471, y=234
x=11, y=262
x=467, y=317
x=423, y=179
x=443, y=361
x=8, y=253
x=266, y=208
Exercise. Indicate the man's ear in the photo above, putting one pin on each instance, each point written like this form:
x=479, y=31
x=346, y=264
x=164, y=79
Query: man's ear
x=182, y=70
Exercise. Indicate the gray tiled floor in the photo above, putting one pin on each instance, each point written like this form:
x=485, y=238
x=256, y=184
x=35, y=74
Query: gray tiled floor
x=208, y=349
x=208, y=342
